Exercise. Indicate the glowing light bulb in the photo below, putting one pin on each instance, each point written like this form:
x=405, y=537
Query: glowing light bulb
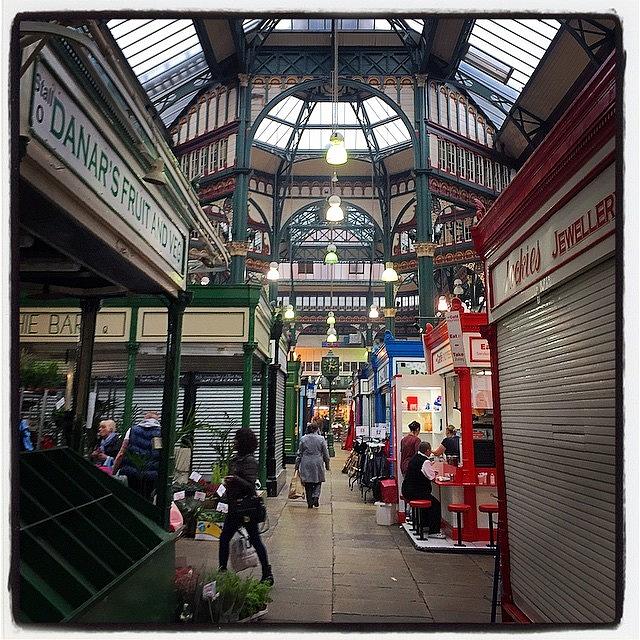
x=337, y=152
x=289, y=313
x=273, y=273
x=389, y=274
x=373, y=311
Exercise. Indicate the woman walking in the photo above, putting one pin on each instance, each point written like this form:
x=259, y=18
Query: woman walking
x=313, y=457
x=241, y=484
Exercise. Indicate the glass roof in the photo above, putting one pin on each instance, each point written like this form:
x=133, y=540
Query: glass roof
x=278, y=127
x=320, y=24
x=501, y=56
x=166, y=56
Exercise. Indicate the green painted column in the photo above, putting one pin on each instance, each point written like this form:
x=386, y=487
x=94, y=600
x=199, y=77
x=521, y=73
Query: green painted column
x=264, y=404
x=175, y=314
x=82, y=381
x=247, y=380
x=133, y=346
x=241, y=191
x=389, y=307
x=291, y=404
x=424, y=234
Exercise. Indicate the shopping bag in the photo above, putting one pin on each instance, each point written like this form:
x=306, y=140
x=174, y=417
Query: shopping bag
x=296, y=488
x=241, y=554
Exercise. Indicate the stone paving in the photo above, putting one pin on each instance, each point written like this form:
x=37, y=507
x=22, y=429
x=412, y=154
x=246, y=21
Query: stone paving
x=335, y=564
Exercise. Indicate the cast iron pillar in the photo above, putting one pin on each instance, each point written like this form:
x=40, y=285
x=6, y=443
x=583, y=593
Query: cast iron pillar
x=89, y=310
x=241, y=191
x=247, y=381
x=424, y=233
x=389, y=307
x=264, y=402
x=271, y=453
x=133, y=346
x=171, y=388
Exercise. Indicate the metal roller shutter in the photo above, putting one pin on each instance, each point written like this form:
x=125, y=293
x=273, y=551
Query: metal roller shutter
x=556, y=363
x=280, y=393
x=220, y=407
x=144, y=399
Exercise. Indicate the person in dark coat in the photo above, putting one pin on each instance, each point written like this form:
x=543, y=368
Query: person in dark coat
x=239, y=484
x=139, y=455
x=417, y=486
x=311, y=461
x=108, y=446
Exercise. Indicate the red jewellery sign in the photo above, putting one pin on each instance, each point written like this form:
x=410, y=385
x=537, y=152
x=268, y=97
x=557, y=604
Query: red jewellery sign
x=581, y=219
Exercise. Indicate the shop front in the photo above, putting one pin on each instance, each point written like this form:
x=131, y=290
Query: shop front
x=458, y=355
x=549, y=244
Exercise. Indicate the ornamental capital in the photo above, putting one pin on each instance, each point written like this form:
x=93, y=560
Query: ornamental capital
x=421, y=79
x=389, y=312
x=425, y=249
x=238, y=248
x=244, y=79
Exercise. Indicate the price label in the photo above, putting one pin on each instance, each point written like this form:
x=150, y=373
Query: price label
x=195, y=476
x=200, y=495
x=178, y=495
x=209, y=590
x=361, y=431
x=222, y=507
x=221, y=490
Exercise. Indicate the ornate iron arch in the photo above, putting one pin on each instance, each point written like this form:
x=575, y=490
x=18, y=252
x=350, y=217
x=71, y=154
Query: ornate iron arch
x=306, y=234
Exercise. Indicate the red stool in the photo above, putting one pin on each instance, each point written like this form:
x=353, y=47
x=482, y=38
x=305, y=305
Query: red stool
x=489, y=508
x=458, y=509
x=417, y=507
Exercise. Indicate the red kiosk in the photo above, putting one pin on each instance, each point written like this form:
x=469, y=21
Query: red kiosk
x=456, y=350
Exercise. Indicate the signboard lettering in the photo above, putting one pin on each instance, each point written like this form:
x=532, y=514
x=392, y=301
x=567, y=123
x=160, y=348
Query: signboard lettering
x=63, y=127
x=63, y=325
x=581, y=223
x=479, y=348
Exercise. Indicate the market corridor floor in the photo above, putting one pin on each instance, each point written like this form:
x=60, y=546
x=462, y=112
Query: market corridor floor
x=335, y=564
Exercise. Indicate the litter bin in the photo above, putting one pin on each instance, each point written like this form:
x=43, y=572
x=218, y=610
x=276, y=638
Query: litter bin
x=385, y=513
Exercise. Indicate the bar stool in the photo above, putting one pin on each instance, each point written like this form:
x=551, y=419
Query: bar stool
x=407, y=517
x=458, y=509
x=417, y=507
x=489, y=508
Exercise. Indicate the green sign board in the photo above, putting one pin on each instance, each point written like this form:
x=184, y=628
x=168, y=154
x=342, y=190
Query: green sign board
x=62, y=126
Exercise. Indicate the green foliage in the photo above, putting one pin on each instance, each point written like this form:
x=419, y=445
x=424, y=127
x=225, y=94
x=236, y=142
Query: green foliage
x=239, y=598
x=39, y=374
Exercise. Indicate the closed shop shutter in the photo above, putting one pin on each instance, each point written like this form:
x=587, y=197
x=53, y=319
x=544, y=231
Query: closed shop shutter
x=280, y=393
x=144, y=399
x=556, y=363
x=220, y=407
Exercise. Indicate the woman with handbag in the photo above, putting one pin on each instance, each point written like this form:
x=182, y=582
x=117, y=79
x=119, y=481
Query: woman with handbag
x=244, y=505
x=313, y=457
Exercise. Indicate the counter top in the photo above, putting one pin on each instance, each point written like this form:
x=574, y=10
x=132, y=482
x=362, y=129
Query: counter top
x=442, y=468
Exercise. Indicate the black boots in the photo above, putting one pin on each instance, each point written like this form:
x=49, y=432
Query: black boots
x=267, y=575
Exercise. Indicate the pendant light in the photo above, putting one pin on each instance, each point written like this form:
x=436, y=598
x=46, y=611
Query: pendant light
x=289, y=313
x=335, y=212
x=389, y=274
x=337, y=152
x=331, y=331
x=204, y=281
x=457, y=287
x=442, y=304
x=331, y=318
x=332, y=337
x=273, y=273
x=373, y=312
x=331, y=257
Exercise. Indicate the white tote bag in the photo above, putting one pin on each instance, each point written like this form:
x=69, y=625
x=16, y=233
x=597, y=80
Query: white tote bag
x=241, y=554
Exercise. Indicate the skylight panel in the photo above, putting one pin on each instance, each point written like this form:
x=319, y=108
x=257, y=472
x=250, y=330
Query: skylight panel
x=378, y=110
x=288, y=109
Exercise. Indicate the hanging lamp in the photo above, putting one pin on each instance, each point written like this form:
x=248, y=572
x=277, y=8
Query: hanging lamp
x=337, y=152
x=289, y=313
x=457, y=287
x=335, y=212
x=331, y=318
x=273, y=273
x=331, y=257
x=442, y=304
x=389, y=274
x=331, y=331
x=373, y=312
x=332, y=337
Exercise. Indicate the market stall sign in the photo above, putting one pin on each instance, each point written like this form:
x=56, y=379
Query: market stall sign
x=454, y=329
x=568, y=230
x=63, y=325
x=440, y=359
x=64, y=128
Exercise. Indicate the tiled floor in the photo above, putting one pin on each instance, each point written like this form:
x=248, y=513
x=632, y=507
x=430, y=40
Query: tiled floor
x=335, y=564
